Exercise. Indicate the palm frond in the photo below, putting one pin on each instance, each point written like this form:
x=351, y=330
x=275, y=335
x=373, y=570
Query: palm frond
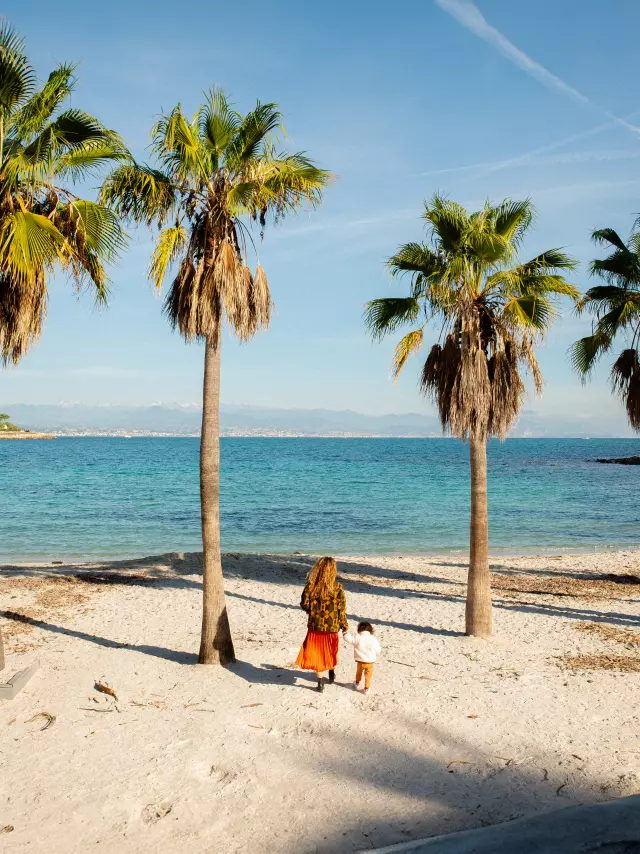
x=32, y=116
x=140, y=194
x=177, y=144
x=251, y=135
x=625, y=379
x=87, y=159
x=29, y=243
x=585, y=352
x=511, y=219
x=411, y=343
x=448, y=222
x=17, y=77
x=390, y=313
x=610, y=236
x=171, y=241
x=279, y=183
x=93, y=226
x=218, y=122
x=529, y=311
x=22, y=310
x=417, y=258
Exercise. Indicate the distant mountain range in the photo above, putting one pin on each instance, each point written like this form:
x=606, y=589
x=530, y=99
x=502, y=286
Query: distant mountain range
x=70, y=419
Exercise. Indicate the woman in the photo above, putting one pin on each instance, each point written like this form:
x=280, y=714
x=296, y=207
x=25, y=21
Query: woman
x=324, y=601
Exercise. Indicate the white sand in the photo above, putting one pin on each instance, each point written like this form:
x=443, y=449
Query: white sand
x=459, y=733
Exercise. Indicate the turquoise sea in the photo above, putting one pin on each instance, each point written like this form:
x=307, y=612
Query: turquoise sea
x=99, y=497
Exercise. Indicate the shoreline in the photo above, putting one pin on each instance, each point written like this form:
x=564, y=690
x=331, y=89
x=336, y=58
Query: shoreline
x=25, y=434
x=27, y=561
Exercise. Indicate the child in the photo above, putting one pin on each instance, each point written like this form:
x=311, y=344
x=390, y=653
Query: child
x=366, y=648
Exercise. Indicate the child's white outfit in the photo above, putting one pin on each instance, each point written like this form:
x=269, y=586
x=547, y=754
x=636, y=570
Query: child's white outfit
x=366, y=649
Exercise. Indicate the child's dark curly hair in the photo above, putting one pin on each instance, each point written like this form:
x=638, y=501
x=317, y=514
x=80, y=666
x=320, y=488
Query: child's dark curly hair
x=365, y=627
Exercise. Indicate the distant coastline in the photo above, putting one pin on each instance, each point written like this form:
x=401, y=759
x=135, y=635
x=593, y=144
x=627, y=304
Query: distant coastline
x=274, y=433
x=25, y=434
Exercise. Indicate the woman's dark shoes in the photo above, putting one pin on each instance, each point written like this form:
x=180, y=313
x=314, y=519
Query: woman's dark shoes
x=320, y=685
x=332, y=677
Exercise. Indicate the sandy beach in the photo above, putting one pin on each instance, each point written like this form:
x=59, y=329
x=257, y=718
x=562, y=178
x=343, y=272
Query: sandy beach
x=459, y=732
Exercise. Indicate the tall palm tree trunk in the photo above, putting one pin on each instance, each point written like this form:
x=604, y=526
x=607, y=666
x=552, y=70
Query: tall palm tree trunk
x=216, y=645
x=478, y=610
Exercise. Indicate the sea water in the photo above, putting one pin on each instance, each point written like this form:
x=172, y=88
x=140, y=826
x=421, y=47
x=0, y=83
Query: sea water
x=110, y=497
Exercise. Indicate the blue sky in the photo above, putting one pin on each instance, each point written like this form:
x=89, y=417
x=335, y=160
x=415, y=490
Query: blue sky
x=490, y=100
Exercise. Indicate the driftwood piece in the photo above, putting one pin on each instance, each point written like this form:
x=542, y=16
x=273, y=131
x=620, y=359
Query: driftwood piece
x=8, y=690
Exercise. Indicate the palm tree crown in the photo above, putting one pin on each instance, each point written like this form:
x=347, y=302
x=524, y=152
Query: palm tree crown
x=44, y=224
x=616, y=310
x=213, y=169
x=489, y=310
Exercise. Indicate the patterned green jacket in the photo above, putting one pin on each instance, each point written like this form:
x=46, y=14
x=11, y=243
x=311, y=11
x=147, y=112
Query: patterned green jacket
x=328, y=614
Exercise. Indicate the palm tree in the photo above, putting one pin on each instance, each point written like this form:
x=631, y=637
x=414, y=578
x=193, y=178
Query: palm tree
x=616, y=310
x=489, y=311
x=215, y=171
x=43, y=225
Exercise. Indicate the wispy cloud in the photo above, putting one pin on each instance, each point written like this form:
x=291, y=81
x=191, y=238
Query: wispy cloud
x=537, y=159
x=344, y=224
x=468, y=14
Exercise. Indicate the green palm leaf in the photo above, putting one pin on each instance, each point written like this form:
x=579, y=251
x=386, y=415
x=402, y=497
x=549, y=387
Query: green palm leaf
x=17, y=77
x=31, y=118
x=28, y=243
x=390, y=313
x=171, y=241
x=140, y=193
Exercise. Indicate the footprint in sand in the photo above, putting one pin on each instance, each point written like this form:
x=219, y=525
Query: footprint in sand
x=221, y=777
x=154, y=812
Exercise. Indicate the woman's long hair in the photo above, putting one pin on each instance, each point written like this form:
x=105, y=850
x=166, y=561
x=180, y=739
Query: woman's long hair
x=322, y=577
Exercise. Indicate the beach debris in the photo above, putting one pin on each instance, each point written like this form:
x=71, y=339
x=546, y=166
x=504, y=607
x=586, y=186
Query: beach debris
x=629, y=638
x=251, y=705
x=105, y=689
x=157, y=704
x=459, y=762
x=599, y=661
x=430, y=678
x=256, y=726
x=49, y=720
x=545, y=776
x=154, y=812
x=584, y=587
x=403, y=663
x=561, y=787
x=473, y=716
x=575, y=756
x=7, y=828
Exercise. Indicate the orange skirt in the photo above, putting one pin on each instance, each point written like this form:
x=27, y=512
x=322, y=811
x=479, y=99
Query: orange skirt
x=319, y=651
